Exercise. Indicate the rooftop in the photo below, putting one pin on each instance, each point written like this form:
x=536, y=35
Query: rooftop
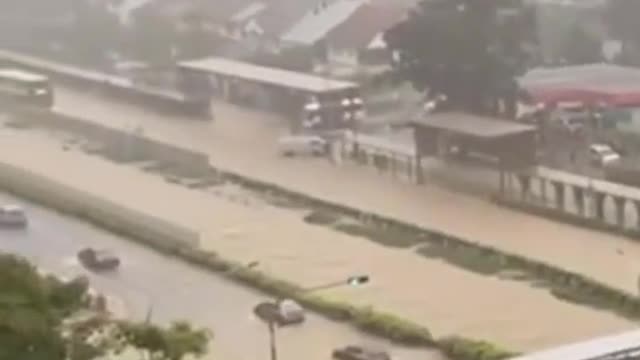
x=365, y=25
x=267, y=75
x=318, y=22
x=473, y=125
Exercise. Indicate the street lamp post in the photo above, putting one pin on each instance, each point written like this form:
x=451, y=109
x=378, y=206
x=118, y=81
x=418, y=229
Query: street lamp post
x=268, y=311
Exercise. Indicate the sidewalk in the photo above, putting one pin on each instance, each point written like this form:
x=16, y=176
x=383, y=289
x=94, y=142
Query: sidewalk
x=443, y=297
x=244, y=141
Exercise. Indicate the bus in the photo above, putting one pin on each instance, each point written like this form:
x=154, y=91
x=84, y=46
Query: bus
x=19, y=87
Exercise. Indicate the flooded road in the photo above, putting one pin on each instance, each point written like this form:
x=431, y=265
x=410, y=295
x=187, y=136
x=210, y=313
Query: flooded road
x=177, y=291
x=238, y=224
x=244, y=141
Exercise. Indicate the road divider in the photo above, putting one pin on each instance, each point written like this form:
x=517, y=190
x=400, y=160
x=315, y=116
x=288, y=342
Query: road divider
x=148, y=229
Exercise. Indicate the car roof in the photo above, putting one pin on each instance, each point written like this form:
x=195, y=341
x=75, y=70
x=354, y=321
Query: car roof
x=600, y=147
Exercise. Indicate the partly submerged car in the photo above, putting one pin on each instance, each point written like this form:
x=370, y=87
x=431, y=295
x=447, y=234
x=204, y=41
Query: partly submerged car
x=98, y=260
x=13, y=216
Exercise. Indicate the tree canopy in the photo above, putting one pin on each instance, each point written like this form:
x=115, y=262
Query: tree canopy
x=43, y=318
x=621, y=21
x=467, y=50
x=582, y=47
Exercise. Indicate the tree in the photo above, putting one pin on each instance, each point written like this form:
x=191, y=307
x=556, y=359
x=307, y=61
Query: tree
x=621, y=21
x=43, y=318
x=153, y=37
x=467, y=50
x=582, y=47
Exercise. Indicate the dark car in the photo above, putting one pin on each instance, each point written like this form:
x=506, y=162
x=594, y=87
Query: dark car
x=353, y=352
x=98, y=260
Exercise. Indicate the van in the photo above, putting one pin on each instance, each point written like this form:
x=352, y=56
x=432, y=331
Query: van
x=302, y=145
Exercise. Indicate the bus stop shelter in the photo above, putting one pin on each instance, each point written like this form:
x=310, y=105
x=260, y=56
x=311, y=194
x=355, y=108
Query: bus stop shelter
x=266, y=88
x=507, y=145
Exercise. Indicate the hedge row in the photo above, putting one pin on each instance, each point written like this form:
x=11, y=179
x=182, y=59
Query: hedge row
x=367, y=319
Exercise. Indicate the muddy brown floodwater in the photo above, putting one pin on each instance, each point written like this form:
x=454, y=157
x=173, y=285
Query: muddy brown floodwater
x=244, y=226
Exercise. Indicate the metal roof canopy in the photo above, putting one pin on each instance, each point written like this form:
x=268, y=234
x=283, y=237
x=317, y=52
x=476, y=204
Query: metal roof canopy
x=267, y=75
x=600, y=348
x=473, y=125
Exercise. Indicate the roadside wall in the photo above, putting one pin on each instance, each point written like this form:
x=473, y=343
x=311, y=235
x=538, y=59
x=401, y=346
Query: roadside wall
x=148, y=229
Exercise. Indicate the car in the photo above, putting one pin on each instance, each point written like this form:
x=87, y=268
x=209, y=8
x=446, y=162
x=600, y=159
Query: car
x=602, y=154
x=302, y=145
x=98, y=260
x=282, y=312
x=355, y=352
x=290, y=312
x=13, y=216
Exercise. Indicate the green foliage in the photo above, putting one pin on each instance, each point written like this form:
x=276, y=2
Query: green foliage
x=464, y=349
x=582, y=47
x=173, y=343
x=468, y=50
x=43, y=318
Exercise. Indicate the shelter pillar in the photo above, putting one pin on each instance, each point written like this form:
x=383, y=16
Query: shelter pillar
x=637, y=205
x=543, y=190
x=418, y=170
x=578, y=197
x=598, y=203
x=559, y=191
x=620, y=203
x=525, y=186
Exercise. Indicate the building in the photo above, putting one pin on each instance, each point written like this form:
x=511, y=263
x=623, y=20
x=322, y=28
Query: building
x=359, y=40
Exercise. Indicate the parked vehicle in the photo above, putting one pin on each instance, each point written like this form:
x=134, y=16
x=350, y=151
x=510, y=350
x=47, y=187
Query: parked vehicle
x=13, y=216
x=602, y=155
x=98, y=260
x=354, y=352
x=302, y=145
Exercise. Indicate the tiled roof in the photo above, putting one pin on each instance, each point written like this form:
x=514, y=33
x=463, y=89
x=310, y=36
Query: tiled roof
x=319, y=21
x=365, y=25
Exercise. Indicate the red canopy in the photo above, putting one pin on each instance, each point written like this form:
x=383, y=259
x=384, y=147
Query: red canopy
x=609, y=85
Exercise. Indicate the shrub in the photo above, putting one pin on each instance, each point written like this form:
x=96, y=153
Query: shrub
x=464, y=349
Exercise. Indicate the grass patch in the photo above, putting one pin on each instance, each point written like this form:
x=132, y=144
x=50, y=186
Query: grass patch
x=321, y=218
x=469, y=259
x=391, y=237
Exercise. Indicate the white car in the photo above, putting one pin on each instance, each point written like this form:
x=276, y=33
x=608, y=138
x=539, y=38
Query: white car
x=602, y=154
x=302, y=145
x=13, y=216
x=290, y=312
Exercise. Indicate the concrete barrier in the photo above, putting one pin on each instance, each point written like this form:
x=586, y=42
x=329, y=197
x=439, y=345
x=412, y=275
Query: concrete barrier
x=145, y=228
x=123, y=145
